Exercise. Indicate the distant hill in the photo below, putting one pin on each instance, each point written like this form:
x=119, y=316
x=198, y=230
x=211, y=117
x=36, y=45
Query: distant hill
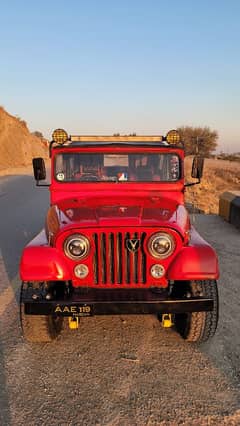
x=17, y=145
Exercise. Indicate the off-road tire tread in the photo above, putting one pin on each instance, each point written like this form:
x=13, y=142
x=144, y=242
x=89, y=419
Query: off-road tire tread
x=201, y=326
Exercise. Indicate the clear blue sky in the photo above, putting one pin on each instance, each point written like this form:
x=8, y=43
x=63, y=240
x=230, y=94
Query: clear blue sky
x=122, y=66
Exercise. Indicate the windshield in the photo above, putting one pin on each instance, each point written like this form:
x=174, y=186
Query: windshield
x=110, y=167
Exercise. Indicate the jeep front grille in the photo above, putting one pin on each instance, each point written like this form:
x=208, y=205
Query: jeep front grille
x=114, y=263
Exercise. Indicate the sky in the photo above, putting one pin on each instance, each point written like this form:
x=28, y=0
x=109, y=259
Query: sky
x=104, y=67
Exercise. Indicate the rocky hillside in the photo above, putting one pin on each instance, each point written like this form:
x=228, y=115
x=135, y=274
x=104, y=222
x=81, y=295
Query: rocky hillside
x=17, y=145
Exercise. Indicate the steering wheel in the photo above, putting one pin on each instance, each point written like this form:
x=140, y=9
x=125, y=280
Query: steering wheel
x=88, y=177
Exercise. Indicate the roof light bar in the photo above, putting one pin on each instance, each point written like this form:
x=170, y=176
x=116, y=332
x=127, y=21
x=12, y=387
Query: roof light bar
x=60, y=137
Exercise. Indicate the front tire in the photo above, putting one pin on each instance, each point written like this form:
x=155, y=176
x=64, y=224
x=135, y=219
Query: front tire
x=199, y=326
x=39, y=328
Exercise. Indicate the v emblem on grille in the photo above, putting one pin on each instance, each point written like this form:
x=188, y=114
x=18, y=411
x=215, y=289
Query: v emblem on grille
x=133, y=245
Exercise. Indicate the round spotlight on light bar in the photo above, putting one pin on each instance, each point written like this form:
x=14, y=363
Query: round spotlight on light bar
x=60, y=136
x=173, y=137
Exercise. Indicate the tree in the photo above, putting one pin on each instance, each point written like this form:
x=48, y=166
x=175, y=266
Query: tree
x=200, y=140
x=38, y=134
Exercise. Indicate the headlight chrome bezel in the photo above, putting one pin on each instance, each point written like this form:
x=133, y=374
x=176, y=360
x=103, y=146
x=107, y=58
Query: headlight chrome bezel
x=168, y=237
x=69, y=240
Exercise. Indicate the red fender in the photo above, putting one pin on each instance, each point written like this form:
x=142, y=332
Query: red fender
x=197, y=261
x=40, y=262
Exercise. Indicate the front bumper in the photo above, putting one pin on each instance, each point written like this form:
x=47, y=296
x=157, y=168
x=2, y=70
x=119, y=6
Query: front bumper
x=117, y=301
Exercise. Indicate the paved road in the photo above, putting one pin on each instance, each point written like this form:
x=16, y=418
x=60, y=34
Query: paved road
x=22, y=209
x=114, y=370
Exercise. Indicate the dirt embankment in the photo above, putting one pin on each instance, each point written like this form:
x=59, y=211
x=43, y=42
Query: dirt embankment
x=219, y=176
x=17, y=145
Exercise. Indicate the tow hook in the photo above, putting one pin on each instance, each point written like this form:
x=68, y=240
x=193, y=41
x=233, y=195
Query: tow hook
x=167, y=320
x=73, y=323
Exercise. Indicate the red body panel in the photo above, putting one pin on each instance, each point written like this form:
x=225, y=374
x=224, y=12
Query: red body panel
x=40, y=262
x=197, y=261
x=129, y=212
x=117, y=210
x=105, y=191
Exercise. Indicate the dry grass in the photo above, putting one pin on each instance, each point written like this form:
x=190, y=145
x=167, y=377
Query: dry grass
x=219, y=176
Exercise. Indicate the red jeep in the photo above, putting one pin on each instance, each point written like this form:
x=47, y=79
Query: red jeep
x=118, y=239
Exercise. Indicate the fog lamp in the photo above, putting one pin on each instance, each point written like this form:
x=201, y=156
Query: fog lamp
x=173, y=137
x=81, y=271
x=157, y=271
x=60, y=136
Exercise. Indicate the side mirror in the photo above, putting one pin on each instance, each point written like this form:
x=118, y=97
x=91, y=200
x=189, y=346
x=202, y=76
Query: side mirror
x=39, y=169
x=197, y=167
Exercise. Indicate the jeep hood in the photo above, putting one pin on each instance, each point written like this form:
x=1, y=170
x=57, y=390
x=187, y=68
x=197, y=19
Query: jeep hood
x=73, y=214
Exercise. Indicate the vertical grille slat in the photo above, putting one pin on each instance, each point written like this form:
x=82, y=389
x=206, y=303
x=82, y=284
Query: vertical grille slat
x=143, y=260
x=116, y=253
x=135, y=260
x=111, y=264
x=96, y=260
x=103, y=257
x=127, y=257
x=120, y=258
x=114, y=263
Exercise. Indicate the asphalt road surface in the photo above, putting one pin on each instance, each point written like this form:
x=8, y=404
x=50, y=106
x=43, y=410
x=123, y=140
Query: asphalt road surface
x=119, y=370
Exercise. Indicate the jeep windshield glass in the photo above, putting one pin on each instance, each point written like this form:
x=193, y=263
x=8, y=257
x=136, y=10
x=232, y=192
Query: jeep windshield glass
x=110, y=167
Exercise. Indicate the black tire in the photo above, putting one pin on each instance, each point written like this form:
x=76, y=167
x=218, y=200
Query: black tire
x=199, y=326
x=39, y=328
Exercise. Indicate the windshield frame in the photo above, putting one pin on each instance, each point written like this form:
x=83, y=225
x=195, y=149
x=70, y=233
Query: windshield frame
x=121, y=151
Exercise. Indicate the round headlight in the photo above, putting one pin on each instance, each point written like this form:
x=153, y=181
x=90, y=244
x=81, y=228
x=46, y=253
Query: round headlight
x=76, y=246
x=161, y=245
